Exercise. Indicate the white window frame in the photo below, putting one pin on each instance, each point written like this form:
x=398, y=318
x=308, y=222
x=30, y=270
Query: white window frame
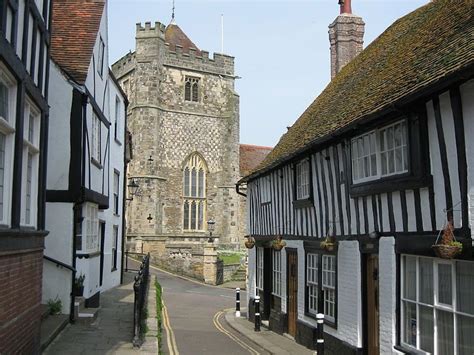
x=374, y=149
x=303, y=186
x=115, y=237
x=118, y=114
x=116, y=194
x=328, y=286
x=312, y=282
x=7, y=128
x=96, y=141
x=435, y=306
x=91, y=221
x=259, y=274
x=30, y=172
x=193, y=89
x=276, y=273
x=265, y=189
x=100, y=57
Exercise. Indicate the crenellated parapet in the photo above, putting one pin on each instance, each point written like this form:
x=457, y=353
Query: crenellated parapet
x=219, y=63
x=124, y=65
x=147, y=31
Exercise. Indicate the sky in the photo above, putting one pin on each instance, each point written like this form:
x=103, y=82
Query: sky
x=281, y=47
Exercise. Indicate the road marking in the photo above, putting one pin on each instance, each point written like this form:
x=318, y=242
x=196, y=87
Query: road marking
x=171, y=340
x=219, y=326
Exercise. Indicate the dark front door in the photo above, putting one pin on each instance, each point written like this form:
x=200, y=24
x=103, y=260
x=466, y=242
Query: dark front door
x=102, y=246
x=372, y=307
x=292, y=271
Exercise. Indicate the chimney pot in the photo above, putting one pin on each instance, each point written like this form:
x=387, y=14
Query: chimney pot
x=345, y=6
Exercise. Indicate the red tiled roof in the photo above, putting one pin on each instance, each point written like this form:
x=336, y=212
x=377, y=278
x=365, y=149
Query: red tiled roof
x=75, y=24
x=174, y=35
x=251, y=156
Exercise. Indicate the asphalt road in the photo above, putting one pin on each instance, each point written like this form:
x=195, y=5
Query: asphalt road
x=195, y=321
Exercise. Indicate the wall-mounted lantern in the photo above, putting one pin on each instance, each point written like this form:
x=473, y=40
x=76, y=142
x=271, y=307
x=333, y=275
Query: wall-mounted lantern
x=211, y=224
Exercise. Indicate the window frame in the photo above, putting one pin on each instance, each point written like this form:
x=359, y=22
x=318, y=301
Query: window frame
x=101, y=57
x=115, y=238
x=117, y=126
x=197, y=197
x=30, y=169
x=277, y=273
x=259, y=267
x=265, y=189
x=321, y=294
x=8, y=130
x=91, y=220
x=96, y=139
x=192, y=89
x=116, y=193
x=435, y=306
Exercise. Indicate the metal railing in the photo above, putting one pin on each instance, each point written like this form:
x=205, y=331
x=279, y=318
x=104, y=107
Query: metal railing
x=133, y=254
x=140, y=287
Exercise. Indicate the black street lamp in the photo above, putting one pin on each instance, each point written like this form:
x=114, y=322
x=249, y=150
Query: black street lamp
x=132, y=189
x=210, y=227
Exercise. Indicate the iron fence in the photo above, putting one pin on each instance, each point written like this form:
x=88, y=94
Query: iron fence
x=140, y=287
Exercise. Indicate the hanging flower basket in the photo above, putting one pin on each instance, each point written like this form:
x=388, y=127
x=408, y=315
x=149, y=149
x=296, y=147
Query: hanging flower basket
x=448, y=247
x=329, y=243
x=250, y=242
x=278, y=243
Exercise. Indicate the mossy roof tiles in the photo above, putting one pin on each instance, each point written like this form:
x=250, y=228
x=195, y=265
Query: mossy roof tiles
x=415, y=53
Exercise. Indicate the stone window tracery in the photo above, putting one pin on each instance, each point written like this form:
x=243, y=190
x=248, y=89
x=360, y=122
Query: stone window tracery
x=194, y=193
x=191, y=89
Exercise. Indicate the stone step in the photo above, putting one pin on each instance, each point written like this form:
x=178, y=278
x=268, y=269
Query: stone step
x=85, y=315
x=51, y=326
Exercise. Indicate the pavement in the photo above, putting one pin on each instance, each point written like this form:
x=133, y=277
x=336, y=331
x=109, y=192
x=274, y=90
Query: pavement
x=265, y=338
x=110, y=333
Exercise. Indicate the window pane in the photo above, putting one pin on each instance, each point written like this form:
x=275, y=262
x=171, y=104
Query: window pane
x=2, y=171
x=187, y=91
x=465, y=335
x=186, y=182
x=390, y=138
x=373, y=164
x=186, y=215
x=397, y=135
x=410, y=323
x=201, y=183
x=372, y=143
x=445, y=333
x=31, y=129
x=383, y=157
x=410, y=278
x=465, y=287
x=398, y=160
x=29, y=172
x=445, y=285
x=3, y=101
x=391, y=162
x=195, y=92
x=193, y=215
x=193, y=182
x=426, y=328
x=405, y=158
x=426, y=281
x=200, y=215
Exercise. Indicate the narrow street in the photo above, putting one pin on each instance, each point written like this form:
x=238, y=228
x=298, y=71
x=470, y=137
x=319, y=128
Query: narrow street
x=195, y=323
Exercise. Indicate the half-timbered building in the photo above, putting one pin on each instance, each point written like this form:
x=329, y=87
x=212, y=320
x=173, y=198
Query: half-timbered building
x=24, y=111
x=85, y=197
x=362, y=185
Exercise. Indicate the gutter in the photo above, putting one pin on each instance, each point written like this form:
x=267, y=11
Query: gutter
x=237, y=186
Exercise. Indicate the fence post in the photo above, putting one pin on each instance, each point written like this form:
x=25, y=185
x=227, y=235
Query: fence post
x=237, y=302
x=320, y=334
x=136, y=312
x=257, y=313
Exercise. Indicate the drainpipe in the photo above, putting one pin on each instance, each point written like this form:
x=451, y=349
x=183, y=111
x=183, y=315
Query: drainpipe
x=124, y=189
x=237, y=189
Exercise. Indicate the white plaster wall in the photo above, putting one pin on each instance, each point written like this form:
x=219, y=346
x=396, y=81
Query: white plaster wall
x=467, y=96
x=349, y=303
x=112, y=277
x=58, y=245
x=59, y=150
x=387, y=296
x=251, y=279
x=91, y=269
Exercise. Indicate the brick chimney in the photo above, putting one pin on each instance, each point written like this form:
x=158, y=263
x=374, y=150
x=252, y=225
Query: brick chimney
x=346, y=35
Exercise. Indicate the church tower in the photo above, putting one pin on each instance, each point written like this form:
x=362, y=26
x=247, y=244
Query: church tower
x=184, y=119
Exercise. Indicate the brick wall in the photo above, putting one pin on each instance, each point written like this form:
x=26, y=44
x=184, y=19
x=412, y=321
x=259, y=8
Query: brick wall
x=20, y=298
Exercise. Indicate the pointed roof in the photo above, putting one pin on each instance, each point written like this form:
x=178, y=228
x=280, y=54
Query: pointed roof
x=423, y=51
x=75, y=24
x=251, y=157
x=174, y=35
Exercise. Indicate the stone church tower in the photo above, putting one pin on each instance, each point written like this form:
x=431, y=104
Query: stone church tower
x=184, y=119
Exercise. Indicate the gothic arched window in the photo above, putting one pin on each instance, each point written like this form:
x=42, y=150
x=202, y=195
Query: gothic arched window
x=191, y=89
x=194, y=193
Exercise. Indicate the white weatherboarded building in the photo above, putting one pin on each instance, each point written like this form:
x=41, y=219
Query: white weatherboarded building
x=85, y=186
x=380, y=161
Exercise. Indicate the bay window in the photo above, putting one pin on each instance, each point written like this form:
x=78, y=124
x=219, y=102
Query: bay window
x=92, y=227
x=7, y=141
x=437, y=306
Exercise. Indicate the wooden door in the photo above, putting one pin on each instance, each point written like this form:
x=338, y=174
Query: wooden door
x=372, y=278
x=292, y=271
x=102, y=246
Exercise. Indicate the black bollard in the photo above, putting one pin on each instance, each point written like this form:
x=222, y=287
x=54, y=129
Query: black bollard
x=320, y=334
x=237, y=302
x=257, y=313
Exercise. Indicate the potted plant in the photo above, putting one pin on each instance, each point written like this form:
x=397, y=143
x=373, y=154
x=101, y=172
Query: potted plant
x=250, y=242
x=329, y=243
x=278, y=243
x=79, y=285
x=448, y=247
